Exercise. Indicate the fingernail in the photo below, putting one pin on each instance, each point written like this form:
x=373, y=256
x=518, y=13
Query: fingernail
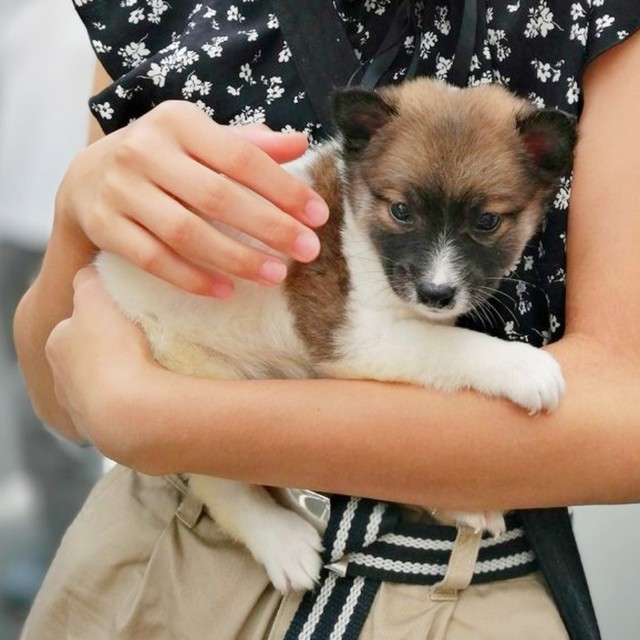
x=222, y=289
x=273, y=272
x=316, y=212
x=306, y=246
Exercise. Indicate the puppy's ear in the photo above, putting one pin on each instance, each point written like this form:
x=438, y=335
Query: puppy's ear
x=358, y=114
x=549, y=137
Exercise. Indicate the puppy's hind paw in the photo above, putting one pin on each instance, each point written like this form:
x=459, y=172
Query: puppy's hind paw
x=289, y=548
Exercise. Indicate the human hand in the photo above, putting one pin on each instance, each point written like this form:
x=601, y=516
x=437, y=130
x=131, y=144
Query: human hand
x=149, y=191
x=97, y=357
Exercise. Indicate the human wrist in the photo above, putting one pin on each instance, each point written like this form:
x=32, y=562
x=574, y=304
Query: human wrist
x=123, y=416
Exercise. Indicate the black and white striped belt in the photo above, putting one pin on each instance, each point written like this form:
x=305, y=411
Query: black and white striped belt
x=368, y=542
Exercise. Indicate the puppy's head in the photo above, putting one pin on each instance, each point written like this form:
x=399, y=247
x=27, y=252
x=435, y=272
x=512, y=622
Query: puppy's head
x=449, y=184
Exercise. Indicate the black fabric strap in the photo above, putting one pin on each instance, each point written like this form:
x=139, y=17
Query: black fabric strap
x=467, y=37
x=551, y=536
x=399, y=26
x=321, y=50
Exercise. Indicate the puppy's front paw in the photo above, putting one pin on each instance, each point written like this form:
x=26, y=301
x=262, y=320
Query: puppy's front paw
x=491, y=521
x=289, y=548
x=530, y=377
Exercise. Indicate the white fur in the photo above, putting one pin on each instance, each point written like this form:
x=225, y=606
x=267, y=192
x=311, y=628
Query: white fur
x=253, y=335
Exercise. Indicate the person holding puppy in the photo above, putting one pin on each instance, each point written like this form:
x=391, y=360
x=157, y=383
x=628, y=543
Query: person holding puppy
x=141, y=548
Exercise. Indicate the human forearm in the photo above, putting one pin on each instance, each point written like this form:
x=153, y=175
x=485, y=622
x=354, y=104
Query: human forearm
x=395, y=442
x=48, y=301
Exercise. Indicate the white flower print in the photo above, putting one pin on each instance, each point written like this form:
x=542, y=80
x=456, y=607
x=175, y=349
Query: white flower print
x=546, y=71
x=443, y=24
x=497, y=40
x=376, y=6
x=540, y=21
x=427, y=42
x=211, y=14
x=157, y=74
x=252, y=35
x=577, y=11
x=233, y=14
x=299, y=97
x=123, y=93
x=194, y=85
x=100, y=47
x=104, y=110
x=527, y=263
x=603, y=23
x=133, y=54
x=443, y=66
x=213, y=48
x=564, y=193
x=158, y=7
x=249, y=115
x=137, y=15
x=206, y=108
x=573, y=90
x=579, y=33
x=246, y=74
x=180, y=59
x=275, y=89
x=285, y=53
x=536, y=100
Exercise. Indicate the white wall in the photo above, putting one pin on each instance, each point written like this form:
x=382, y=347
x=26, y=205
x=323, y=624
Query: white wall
x=609, y=541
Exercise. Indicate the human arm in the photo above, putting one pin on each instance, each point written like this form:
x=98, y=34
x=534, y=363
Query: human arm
x=399, y=442
x=133, y=193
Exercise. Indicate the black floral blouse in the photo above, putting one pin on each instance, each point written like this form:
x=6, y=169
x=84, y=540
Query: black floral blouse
x=231, y=59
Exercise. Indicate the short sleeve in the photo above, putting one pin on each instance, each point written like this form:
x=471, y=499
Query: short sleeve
x=610, y=23
x=228, y=58
x=124, y=33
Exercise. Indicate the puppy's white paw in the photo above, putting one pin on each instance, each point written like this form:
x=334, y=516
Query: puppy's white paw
x=528, y=376
x=491, y=521
x=289, y=548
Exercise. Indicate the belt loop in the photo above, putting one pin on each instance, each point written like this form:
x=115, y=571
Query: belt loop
x=190, y=509
x=461, y=565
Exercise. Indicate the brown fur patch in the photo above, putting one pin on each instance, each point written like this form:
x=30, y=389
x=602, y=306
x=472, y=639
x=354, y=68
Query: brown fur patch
x=317, y=292
x=460, y=141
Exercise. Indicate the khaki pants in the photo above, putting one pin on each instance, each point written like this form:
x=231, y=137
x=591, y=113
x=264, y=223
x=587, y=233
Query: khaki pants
x=139, y=564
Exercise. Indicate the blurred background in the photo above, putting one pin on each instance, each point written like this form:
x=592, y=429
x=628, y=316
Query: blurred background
x=46, y=72
x=46, y=68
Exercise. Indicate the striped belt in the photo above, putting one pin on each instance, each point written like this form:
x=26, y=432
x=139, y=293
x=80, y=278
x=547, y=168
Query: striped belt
x=367, y=543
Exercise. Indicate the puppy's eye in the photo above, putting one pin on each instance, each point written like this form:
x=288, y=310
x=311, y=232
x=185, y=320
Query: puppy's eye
x=400, y=211
x=488, y=222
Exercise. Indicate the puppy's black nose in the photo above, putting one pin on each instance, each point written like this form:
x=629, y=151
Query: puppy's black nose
x=438, y=296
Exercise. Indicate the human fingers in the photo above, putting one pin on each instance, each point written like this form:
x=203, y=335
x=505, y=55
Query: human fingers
x=222, y=200
x=93, y=354
x=141, y=247
x=203, y=246
x=281, y=146
x=224, y=151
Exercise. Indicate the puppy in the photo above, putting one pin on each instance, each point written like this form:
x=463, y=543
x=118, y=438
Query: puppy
x=434, y=192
